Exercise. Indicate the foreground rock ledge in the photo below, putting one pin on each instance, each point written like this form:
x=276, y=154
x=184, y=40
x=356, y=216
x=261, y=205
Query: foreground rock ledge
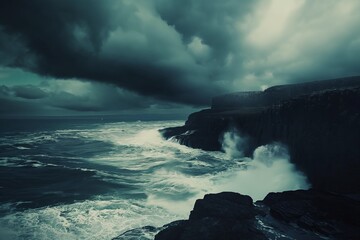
x=224, y=215
x=301, y=214
x=289, y=215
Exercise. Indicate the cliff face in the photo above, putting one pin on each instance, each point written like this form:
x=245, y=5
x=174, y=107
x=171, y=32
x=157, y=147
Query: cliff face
x=322, y=132
x=321, y=129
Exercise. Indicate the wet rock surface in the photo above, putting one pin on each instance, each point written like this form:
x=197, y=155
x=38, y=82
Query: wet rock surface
x=302, y=214
x=326, y=214
x=225, y=215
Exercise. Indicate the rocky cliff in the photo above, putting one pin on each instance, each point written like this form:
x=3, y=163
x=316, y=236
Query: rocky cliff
x=320, y=124
x=320, y=127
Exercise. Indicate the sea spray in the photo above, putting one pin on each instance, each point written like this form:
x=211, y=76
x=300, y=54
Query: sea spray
x=233, y=144
x=269, y=170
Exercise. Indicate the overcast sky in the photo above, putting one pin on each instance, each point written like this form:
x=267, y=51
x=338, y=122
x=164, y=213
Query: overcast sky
x=66, y=57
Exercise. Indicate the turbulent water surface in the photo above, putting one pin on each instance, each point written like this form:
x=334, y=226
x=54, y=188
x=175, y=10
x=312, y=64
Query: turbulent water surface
x=95, y=180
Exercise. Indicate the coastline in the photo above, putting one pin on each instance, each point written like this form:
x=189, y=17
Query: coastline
x=321, y=128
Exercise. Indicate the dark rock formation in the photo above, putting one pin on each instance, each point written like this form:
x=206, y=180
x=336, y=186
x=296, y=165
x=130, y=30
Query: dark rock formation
x=325, y=213
x=218, y=216
x=320, y=128
x=289, y=215
x=238, y=206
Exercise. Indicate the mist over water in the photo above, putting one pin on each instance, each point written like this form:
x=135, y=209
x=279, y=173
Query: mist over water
x=233, y=144
x=97, y=180
x=269, y=170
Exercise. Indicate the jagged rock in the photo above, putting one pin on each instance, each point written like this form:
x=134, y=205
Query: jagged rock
x=302, y=214
x=237, y=206
x=218, y=216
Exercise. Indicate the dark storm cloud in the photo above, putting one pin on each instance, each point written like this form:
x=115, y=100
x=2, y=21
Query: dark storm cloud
x=212, y=21
x=29, y=92
x=110, y=41
x=13, y=105
x=4, y=91
x=180, y=51
x=70, y=96
x=23, y=92
x=10, y=107
x=82, y=96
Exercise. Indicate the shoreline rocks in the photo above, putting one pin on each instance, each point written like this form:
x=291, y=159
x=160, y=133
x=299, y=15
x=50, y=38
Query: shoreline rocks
x=301, y=214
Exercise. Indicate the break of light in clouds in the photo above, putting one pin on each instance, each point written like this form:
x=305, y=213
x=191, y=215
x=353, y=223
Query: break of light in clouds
x=68, y=57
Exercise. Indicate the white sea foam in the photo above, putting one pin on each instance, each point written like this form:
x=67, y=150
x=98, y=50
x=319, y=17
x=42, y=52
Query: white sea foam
x=96, y=219
x=177, y=192
x=22, y=148
x=233, y=144
x=270, y=170
x=171, y=177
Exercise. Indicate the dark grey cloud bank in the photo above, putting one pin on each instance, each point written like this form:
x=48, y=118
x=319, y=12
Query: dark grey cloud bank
x=56, y=97
x=175, y=51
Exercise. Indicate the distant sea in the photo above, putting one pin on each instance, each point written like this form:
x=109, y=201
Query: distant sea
x=95, y=179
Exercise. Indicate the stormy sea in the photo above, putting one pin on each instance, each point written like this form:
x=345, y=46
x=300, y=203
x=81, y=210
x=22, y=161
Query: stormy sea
x=95, y=179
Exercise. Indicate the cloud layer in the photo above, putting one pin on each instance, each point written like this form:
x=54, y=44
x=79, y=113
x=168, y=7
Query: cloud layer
x=74, y=97
x=178, y=51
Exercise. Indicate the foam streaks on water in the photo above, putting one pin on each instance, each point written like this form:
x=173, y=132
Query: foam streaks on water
x=99, y=180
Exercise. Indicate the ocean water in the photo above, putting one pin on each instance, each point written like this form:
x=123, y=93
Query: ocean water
x=67, y=179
